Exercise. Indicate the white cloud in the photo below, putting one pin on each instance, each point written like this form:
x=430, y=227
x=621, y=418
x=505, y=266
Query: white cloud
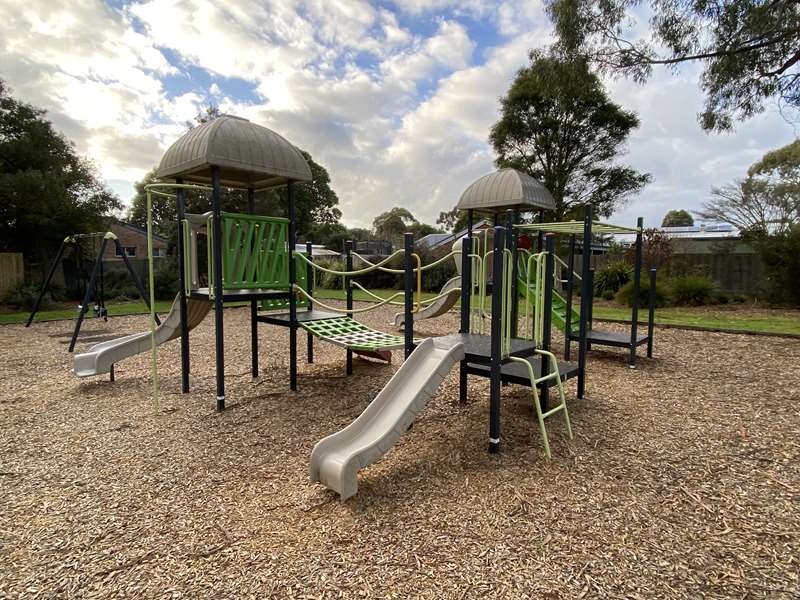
x=340, y=79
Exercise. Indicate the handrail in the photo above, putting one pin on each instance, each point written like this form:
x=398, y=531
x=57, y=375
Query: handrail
x=401, y=271
x=308, y=296
x=353, y=273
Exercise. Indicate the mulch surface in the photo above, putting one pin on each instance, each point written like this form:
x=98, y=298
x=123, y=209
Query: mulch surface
x=683, y=480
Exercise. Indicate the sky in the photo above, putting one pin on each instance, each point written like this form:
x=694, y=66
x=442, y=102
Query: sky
x=395, y=99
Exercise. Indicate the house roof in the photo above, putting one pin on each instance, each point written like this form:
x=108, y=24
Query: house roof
x=433, y=241
x=141, y=232
x=248, y=155
x=506, y=189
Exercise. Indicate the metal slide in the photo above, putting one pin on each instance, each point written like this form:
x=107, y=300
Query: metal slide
x=451, y=292
x=336, y=459
x=101, y=357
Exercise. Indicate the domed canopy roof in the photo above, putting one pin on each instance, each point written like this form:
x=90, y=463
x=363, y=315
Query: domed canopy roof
x=506, y=189
x=248, y=155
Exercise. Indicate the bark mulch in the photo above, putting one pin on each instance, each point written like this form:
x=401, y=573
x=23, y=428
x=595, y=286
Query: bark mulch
x=683, y=480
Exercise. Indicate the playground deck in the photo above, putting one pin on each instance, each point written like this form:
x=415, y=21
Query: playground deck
x=680, y=482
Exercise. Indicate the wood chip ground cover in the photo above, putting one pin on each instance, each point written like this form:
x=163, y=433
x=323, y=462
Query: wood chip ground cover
x=683, y=480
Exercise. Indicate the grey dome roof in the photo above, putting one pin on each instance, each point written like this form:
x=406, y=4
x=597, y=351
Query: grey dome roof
x=249, y=156
x=506, y=189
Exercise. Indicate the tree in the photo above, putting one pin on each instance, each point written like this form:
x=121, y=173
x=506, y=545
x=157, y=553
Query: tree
x=750, y=49
x=678, y=218
x=392, y=224
x=47, y=191
x=558, y=125
x=767, y=201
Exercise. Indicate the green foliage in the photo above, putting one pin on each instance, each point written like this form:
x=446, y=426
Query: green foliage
x=433, y=279
x=47, y=191
x=656, y=249
x=165, y=278
x=625, y=294
x=677, y=218
x=558, y=125
x=780, y=255
x=693, y=290
x=610, y=278
x=748, y=48
x=24, y=297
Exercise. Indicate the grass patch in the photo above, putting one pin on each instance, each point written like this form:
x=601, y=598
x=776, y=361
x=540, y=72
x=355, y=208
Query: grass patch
x=728, y=318
x=114, y=309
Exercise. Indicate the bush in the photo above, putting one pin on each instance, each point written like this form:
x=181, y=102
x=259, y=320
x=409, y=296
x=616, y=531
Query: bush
x=780, y=255
x=24, y=297
x=693, y=290
x=625, y=294
x=610, y=278
x=165, y=278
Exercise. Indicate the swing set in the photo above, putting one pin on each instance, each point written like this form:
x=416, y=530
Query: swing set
x=95, y=286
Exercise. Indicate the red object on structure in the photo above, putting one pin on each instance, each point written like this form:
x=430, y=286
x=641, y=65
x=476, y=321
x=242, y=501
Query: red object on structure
x=524, y=242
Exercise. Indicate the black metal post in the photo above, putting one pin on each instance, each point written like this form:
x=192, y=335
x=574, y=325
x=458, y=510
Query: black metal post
x=348, y=293
x=586, y=298
x=547, y=317
x=590, y=318
x=46, y=283
x=466, y=299
x=651, y=313
x=570, y=286
x=540, y=235
x=87, y=295
x=408, y=304
x=182, y=300
x=513, y=238
x=496, y=360
x=310, y=290
x=637, y=282
x=138, y=282
x=216, y=233
x=251, y=208
x=292, y=281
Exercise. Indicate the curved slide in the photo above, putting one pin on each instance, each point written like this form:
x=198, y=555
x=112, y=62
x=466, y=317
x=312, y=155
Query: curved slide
x=451, y=292
x=101, y=357
x=336, y=459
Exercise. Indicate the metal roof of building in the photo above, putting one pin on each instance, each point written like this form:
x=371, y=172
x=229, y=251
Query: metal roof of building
x=506, y=189
x=249, y=156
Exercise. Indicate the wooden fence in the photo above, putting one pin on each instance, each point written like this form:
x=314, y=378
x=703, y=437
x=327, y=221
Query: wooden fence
x=12, y=272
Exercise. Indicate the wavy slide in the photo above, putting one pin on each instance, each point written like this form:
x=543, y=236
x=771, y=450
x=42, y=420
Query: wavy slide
x=336, y=459
x=101, y=357
x=451, y=292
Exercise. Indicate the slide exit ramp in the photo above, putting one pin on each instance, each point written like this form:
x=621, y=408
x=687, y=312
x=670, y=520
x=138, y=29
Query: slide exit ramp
x=337, y=459
x=101, y=357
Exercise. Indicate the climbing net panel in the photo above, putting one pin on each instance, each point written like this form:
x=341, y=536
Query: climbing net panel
x=350, y=334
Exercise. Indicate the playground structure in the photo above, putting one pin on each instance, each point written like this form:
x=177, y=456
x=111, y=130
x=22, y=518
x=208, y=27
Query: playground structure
x=94, y=287
x=253, y=258
x=565, y=317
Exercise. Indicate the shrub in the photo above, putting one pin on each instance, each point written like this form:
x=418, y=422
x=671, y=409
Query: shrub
x=693, y=290
x=610, y=278
x=165, y=278
x=24, y=297
x=625, y=294
x=607, y=295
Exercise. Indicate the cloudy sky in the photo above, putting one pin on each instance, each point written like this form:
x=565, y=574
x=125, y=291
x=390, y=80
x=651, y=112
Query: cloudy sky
x=395, y=99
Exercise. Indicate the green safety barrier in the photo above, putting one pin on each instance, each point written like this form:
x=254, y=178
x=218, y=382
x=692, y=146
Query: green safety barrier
x=255, y=252
x=302, y=282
